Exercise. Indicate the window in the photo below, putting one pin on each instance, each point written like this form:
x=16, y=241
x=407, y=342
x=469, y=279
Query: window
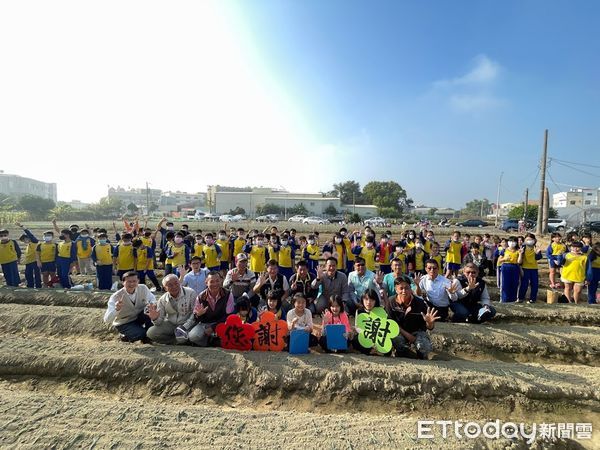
x=572, y=202
x=588, y=202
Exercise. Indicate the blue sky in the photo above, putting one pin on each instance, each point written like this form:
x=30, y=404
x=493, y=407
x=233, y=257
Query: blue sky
x=439, y=96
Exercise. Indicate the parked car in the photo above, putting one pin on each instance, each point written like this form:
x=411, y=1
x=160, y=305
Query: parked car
x=591, y=227
x=337, y=219
x=296, y=218
x=210, y=217
x=557, y=225
x=268, y=218
x=513, y=225
x=473, y=223
x=376, y=222
x=225, y=218
x=315, y=220
x=239, y=217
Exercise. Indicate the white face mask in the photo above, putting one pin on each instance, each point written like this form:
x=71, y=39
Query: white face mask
x=284, y=243
x=47, y=238
x=209, y=241
x=338, y=240
x=512, y=244
x=222, y=237
x=529, y=242
x=411, y=236
x=178, y=239
x=170, y=228
x=85, y=235
x=260, y=243
x=369, y=244
x=311, y=242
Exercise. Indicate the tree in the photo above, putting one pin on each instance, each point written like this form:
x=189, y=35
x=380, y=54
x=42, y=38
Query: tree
x=108, y=207
x=8, y=203
x=330, y=210
x=268, y=208
x=432, y=211
x=237, y=211
x=153, y=206
x=132, y=208
x=389, y=212
x=297, y=210
x=386, y=194
x=474, y=208
x=532, y=212
x=348, y=192
x=62, y=211
x=37, y=207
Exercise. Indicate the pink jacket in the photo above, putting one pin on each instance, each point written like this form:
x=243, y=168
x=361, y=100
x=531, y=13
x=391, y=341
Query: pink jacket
x=342, y=319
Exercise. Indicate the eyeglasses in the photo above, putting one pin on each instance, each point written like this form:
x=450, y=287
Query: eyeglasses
x=470, y=271
x=358, y=264
x=431, y=268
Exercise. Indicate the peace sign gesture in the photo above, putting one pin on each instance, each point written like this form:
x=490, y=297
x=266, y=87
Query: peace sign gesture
x=430, y=317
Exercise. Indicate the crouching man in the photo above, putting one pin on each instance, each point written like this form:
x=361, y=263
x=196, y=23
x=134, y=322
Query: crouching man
x=473, y=304
x=172, y=310
x=126, y=309
x=414, y=319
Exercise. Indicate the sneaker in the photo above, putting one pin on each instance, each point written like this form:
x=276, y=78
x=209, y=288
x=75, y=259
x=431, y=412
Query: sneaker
x=519, y=300
x=180, y=332
x=531, y=301
x=123, y=338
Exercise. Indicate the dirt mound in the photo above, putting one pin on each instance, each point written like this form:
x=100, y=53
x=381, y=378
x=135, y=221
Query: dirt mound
x=58, y=297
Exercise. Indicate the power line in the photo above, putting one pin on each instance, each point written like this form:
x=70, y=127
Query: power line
x=574, y=163
x=576, y=169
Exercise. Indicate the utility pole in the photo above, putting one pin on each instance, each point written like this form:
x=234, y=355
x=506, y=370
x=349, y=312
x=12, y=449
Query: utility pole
x=546, y=210
x=525, y=204
x=498, y=200
x=540, y=225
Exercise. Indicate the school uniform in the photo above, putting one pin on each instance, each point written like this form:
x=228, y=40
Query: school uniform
x=33, y=276
x=10, y=253
x=530, y=274
x=510, y=275
x=102, y=255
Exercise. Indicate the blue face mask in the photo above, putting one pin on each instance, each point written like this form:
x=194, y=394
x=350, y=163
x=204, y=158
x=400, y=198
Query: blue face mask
x=102, y=241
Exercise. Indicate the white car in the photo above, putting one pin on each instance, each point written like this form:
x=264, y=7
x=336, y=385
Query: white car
x=197, y=216
x=375, y=222
x=556, y=225
x=314, y=220
x=296, y=218
x=225, y=218
x=210, y=217
x=238, y=218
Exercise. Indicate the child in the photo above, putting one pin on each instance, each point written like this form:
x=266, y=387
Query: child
x=144, y=257
x=224, y=244
x=84, y=244
x=335, y=315
x=273, y=247
x=510, y=272
x=10, y=254
x=300, y=318
x=400, y=255
x=33, y=275
x=312, y=254
x=419, y=259
x=553, y=253
x=244, y=310
x=239, y=242
x=500, y=247
x=369, y=300
x=593, y=272
x=258, y=254
x=286, y=257
x=528, y=258
x=46, y=257
x=274, y=305
x=384, y=254
x=348, y=250
x=474, y=256
x=65, y=258
x=453, y=255
x=102, y=255
x=212, y=253
x=435, y=254
x=123, y=257
x=573, y=271
x=368, y=253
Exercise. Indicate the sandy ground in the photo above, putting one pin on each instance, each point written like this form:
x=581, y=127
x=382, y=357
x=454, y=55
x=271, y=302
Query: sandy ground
x=67, y=382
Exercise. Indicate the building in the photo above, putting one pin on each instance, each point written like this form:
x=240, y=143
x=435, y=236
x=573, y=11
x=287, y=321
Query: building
x=78, y=204
x=173, y=201
x=139, y=196
x=559, y=200
x=17, y=186
x=584, y=197
x=222, y=202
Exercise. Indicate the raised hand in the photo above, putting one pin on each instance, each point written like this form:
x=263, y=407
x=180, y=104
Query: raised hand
x=235, y=276
x=200, y=310
x=263, y=278
x=153, y=311
x=379, y=277
x=183, y=271
x=452, y=288
x=319, y=272
x=430, y=317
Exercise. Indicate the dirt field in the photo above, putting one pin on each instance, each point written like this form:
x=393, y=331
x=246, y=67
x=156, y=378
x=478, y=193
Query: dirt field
x=67, y=382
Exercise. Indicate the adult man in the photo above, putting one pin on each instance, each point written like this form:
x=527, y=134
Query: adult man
x=440, y=292
x=390, y=278
x=301, y=282
x=331, y=282
x=212, y=307
x=125, y=309
x=173, y=309
x=196, y=278
x=473, y=304
x=240, y=280
x=271, y=280
x=414, y=319
x=359, y=281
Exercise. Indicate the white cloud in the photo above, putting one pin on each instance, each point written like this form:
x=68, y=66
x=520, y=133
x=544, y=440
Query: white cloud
x=474, y=91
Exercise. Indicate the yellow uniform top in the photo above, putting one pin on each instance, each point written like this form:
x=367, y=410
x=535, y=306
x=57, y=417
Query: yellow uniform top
x=103, y=253
x=419, y=261
x=529, y=261
x=511, y=256
x=124, y=255
x=285, y=256
x=211, y=257
x=273, y=254
x=427, y=246
x=178, y=257
x=64, y=249
x=368, y=254
x=402, y=257
x=596, y=263
x=142, y=259
x=574, y=268
x=257, y=259
x=198, y=250
x=30, y=252
x=81, y=253
x=314, y=252
x=558, y=248
x=225, y=249
x=8, y=252
x=348, y=245
x=47, y=251
x=238, y=246
x=453, y=254
x=439, y=260
x=340, y=249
